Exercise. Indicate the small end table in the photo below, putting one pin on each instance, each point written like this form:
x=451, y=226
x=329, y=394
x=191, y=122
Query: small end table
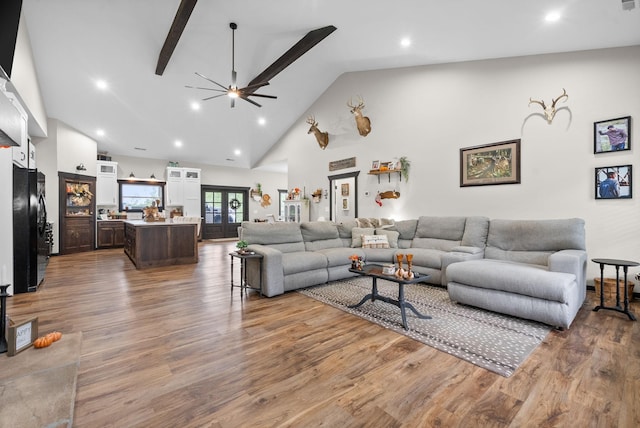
x=625, y=267
x=243, y=271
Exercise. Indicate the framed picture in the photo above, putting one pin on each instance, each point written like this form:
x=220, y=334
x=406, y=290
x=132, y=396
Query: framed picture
x=345, y=204
x=386, y=166
x=497, y=163
x=21, y=336
x=345, y=189
x=612, y=135
x=613, y=182
x=375, y=165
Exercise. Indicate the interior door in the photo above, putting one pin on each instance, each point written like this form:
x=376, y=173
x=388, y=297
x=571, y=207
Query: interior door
x=224, y=209
x=343, y=196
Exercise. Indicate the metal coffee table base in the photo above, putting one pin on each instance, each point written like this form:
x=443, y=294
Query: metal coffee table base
x=401, y=303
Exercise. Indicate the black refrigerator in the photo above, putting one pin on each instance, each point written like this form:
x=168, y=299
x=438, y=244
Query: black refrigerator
x=31, y=231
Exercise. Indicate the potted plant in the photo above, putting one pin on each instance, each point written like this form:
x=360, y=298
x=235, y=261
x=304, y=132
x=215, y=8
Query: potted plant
x=404, y=167
x=242, y=246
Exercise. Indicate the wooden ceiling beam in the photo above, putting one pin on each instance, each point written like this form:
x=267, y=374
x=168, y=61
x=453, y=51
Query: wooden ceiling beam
x=177, y=27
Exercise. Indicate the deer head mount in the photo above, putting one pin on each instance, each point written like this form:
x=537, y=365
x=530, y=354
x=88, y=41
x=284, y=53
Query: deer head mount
x=362, y=122
x=321, y=137
x=550, y=112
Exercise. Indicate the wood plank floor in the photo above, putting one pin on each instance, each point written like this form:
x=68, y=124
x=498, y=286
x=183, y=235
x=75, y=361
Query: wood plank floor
x=170, y=347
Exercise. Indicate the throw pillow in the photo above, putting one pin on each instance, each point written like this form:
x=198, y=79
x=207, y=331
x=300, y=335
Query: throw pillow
x=356, y=235
x=375, y=241
x=392, y=236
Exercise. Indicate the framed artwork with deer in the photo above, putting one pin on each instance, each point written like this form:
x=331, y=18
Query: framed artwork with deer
x=497, y=163
x=613, y=182
x=612, y=135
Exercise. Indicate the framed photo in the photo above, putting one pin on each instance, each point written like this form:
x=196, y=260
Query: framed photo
x=345, y=204
x=613, y=182
x=497, y=163
x=345, y=189
x=612, y=135
x=21, y=336
x=375, y=165
x=386, y=166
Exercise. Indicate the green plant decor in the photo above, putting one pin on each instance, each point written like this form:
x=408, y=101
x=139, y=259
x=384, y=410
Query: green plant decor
x=405, y=164
x=242, y=245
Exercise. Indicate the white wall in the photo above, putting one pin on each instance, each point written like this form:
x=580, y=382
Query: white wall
x=428, y=113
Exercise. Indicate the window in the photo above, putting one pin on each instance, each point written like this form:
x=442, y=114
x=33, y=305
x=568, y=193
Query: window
x=134, y=196
x=282, y=196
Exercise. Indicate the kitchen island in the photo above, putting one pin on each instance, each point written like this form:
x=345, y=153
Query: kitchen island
x=151, y=244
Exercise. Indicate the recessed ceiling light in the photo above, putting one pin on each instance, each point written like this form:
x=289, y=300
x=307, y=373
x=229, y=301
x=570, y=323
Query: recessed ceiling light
x=195, y=106
x=262, y=121
x=178, y=143
x=100, y=132
x=553, y=16
x=405, y=42
x=101, y=84
x=237, y=152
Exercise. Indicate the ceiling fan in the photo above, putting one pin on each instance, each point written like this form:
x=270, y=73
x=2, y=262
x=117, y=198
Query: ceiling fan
x=311, y=39
x=232, y=91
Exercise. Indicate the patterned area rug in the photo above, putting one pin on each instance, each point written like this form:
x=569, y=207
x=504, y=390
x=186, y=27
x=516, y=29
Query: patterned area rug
x=496, y=342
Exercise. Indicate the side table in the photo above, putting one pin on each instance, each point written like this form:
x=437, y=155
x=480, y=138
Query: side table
x=625, y=267
x=243, y=271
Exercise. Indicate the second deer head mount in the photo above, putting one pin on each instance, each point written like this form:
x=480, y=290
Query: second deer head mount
x=321, y=137
x=550, y=112
x=362, y=122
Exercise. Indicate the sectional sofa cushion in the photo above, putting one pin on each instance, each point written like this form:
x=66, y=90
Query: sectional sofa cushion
x=407, y=230
x=285, y=237
x=537, y=239
x=319, y=235
x=440, y=233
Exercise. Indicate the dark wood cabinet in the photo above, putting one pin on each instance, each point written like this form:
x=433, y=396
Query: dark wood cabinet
x=77, y=213
x=110, y=234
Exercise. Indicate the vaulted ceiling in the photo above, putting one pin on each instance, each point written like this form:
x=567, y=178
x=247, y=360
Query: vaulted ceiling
x=78, y=43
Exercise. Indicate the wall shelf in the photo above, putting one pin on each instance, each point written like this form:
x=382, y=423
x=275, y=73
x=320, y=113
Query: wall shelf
x=388, y=172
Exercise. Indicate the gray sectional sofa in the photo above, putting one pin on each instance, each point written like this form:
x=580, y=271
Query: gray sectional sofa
x=533, y=269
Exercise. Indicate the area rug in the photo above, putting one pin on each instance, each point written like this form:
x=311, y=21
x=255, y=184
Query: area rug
x=496, y=342
x=38, y=386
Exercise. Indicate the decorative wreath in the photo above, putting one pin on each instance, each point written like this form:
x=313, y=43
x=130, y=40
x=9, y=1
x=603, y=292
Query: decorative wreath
x=235, y=204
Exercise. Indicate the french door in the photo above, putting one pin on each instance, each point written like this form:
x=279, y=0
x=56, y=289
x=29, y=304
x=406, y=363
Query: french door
x=224, y=209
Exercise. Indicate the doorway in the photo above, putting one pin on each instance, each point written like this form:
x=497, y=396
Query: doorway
x=224, y=209
x=343, y=196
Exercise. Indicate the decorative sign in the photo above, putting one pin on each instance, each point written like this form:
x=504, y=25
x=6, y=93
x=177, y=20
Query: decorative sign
x=342, y=164
x=22, y=335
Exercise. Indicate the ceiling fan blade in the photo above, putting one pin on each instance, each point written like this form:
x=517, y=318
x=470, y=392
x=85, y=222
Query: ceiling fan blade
x=177, y=27
x=206, y=89
x=214, y=96
x=263, y=96
x=311, y=39
x=233, y=102
x=212, y=81
x=251, y=88
x=250, y=101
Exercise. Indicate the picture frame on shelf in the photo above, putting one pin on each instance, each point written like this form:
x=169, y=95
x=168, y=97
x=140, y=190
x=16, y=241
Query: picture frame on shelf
x=613, y=182
x=375, y=165
x=612, y=135
x=386, y=166
x=21, y=336
x=490, y=164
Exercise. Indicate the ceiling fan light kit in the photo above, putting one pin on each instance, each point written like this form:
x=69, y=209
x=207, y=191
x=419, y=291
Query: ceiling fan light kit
x=311, y=39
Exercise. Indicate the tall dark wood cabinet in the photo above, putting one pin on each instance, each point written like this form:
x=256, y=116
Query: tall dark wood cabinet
x=77, y=213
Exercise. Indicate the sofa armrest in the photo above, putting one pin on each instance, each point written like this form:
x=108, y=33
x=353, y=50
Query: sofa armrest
x=272, y=271
x=458, y=254
x=570, y=261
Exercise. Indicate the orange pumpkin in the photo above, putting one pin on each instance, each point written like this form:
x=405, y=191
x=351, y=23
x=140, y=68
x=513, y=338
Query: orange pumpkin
x=42, y=342
x=55, y=336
